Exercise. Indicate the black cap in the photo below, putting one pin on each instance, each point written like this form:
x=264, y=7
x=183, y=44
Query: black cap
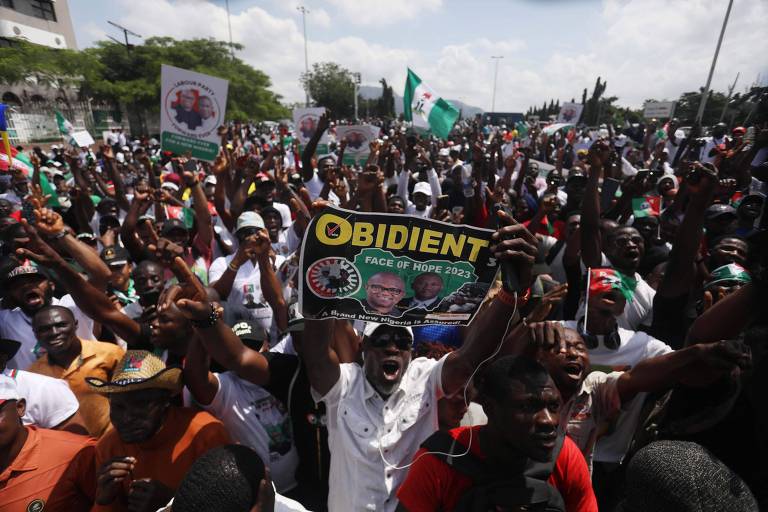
x=114, y=255
x=12, y=268
x=719, y=209
x=249, y=331
x=171, y=224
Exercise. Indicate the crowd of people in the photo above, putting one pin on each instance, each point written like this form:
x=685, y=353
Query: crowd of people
x=154, y=356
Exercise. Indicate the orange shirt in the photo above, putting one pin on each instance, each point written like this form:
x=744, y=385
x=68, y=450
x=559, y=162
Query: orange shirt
x=54, y=470
x=185, y=435
x=97, y=359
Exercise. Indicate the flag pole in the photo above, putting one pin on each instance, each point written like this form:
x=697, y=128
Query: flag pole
x=586, y=299
x=4, y=134
x=705, y=92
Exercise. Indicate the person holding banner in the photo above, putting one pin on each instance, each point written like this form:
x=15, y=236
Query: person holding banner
x=379, y=413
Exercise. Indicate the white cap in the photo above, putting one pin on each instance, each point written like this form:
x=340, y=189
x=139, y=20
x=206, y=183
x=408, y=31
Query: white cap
x=170, y=185
x=444, y=152
x=8, y=389
x=249, y=220
x=209, y=180
x=423, y=187
x=120, y=158
x=370, y=328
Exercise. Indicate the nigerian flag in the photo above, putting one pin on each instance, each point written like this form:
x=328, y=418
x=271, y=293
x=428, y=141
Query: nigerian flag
x=65, y=127
x=426, y=109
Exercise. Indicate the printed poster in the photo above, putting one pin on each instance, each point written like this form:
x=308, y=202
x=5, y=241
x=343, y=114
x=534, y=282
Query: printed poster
x=570, y=113
x=359, y=138
x=192, y=107
x=394, y=269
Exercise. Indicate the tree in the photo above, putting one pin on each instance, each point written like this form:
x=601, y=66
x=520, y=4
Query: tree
x=331, y=86
x=133, y=77
x=109, y=72
x=385, y=105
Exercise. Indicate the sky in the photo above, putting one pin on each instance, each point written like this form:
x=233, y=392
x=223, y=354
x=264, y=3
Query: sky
x=645, y=49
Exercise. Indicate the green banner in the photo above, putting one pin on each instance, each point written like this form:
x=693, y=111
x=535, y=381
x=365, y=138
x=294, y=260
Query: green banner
x=181, y=145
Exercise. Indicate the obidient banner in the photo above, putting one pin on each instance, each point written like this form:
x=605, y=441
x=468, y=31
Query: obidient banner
x=394, y=269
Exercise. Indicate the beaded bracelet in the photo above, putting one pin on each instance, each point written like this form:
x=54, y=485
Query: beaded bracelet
x=509, y=298
x=213, y=317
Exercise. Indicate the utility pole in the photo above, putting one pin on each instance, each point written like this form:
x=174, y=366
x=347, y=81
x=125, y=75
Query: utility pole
x=728, y=99
x=705, y=92
x=357, y=80
x=304, y=11
x=496, y=59
x=128, y=46
x=229, y=26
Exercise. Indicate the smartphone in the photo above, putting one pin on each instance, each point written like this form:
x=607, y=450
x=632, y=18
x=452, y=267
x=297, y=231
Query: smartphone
x=190, y=166
x=608, y=192
x=443, y=202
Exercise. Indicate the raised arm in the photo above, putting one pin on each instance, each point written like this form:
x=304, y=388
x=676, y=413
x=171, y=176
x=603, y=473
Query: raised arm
x=320, y=360
x=114, y=175
x=681, y=269
x=197, y=377
x=591, y=248
x=51, y=225
x=270, y=284
x=88, y=298
x=515, y=245
x=202, y=213
x=307, y=171
x=223, y=344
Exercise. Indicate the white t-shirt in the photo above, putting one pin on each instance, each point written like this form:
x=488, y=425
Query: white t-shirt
x=50, y=402
x=315, y=186
x=710, y=144
x=364, y=430
x=245, y=301
x=16, y=325
x=258, y=420
x=634, y=347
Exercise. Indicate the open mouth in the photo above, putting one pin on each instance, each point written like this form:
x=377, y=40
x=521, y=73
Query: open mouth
x=573, y=370
x=391, y=369
x=546, y=441
x=33, y=298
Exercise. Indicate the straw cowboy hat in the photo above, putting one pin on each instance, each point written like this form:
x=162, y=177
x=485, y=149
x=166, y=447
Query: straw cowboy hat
x=139, y=369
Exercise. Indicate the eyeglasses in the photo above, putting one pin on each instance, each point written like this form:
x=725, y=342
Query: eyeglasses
x=401, y=342
x=381, y=289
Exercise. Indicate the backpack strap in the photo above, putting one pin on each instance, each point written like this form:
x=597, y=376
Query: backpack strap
x=450, y=451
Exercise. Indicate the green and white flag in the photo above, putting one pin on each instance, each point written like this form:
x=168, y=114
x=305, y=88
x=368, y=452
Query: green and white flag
x=425, y=109
x=65, y=127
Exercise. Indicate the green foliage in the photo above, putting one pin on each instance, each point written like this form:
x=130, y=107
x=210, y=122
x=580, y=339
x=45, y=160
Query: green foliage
x=331, y=86
x=110, y=72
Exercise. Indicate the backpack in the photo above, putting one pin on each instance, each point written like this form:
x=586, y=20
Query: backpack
x=524, y=484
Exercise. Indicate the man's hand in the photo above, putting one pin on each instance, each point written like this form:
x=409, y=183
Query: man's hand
x=148, y=495
x=324, y=121
x=221, y=164
x=714, y=360
x=253, y=247
x=598, y=154
x=548, y=204
x=702, y=181
x=48, y=222
x=514, y=243
x=36, y=249
x=266, y=501
x=550, y=299
x=106, y=151
x=547, y=336
x=109, y=480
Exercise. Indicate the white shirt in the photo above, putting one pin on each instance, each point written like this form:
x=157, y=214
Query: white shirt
x=256, y=419
x=315, y=186
x=596, y=403
x=245, y=301
x=402, y=191
x=16, y=325
x=634, y=347
x=364, y=429
x=710, y=144
x=50, y=402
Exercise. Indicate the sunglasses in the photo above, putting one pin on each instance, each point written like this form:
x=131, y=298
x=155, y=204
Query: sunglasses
x=383, y=341
x=381, y=289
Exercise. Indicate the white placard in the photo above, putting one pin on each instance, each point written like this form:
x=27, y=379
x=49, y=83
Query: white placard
x=192, y=107
x=83, y=139
x=658, y=109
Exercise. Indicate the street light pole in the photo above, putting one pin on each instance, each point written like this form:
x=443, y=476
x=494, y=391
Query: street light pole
x=496, y=59
x=357, y=80
x=705, y=92
x=229, y=25
x=304, y=11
